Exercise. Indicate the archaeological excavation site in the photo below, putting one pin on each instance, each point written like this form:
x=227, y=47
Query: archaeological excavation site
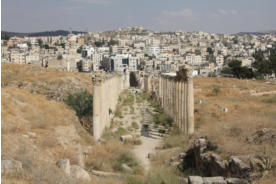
x=66, y=127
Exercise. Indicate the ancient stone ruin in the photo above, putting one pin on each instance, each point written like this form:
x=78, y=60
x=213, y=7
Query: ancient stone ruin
x=106, y=91
x=176, y=96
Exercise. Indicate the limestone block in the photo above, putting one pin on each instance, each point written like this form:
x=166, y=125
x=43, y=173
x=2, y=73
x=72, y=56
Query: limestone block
x=64, y=165
x=124, y=138
x=195, y=180
x=236, y=181
x=126, y=168
x=79, y=173
x=214, y=180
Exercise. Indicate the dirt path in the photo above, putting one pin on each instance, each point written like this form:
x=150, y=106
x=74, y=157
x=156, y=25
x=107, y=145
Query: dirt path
x=148, y=143
x=139, y=113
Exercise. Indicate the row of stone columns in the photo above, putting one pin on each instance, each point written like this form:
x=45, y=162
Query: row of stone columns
x=106, y=91
x=177, y=100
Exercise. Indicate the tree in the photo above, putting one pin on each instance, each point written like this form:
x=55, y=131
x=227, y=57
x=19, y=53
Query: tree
x=272, y=58
x=210, y=51
x=81, y=102
x=133, y=80
x=112, y=42
x=5, y=37
x=79, y=50
x=261, y=65
x=40, y=43
x=236, y=69
x=46, y=46
x=99, y=43
x=79, y=66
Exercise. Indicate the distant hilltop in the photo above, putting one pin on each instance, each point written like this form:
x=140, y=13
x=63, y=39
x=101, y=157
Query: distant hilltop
x=259, y=32
x=44, y=33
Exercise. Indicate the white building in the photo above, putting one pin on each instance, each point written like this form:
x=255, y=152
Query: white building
x=120, y=62
x=153, y=50
x=17, y=57
x=193, y=59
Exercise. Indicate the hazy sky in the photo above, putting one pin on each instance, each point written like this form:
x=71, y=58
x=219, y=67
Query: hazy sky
x=218, y=16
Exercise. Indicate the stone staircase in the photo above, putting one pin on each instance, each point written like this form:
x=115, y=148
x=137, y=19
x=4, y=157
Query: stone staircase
x=150, y=129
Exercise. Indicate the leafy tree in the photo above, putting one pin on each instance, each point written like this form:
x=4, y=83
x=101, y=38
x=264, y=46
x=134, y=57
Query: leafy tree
x=99, y=43
x=40, y=43
x=81, y=102
x=272, y=58
x=46, y=46
x=210, y=51
x=5, y=37
x=79, y=65
x=79, y=50
x=133, y=80
x=112, y=42
x=236, y=69
x=261, y=65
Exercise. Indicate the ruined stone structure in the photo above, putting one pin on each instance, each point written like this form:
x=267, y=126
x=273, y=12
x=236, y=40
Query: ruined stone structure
x=176, y=97
x=106, y=91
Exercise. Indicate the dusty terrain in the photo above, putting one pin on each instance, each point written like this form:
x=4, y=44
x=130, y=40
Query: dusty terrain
x=51, y=83
x=38, y=129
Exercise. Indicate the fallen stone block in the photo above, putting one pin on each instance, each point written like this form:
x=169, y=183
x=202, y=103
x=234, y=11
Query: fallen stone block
x=195, y=180
x=236, y=181
x=214, y=180
x=125, y=138
x=79, y=173
x=64, y=165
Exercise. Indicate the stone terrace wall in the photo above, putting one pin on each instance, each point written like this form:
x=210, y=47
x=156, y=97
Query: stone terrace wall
x=106, y=91
x=176, y=96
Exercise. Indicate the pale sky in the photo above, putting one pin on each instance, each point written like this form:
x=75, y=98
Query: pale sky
x=216, y=16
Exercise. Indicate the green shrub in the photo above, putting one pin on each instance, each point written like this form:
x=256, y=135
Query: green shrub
x=163, y=119
x=81, y=102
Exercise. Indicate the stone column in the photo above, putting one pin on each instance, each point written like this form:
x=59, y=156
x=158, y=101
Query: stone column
x=127, y=79
x=180, y=91
x=190, y=102
x=97, y=93
x=177, y=103
x=160, y=90
x=165, y=95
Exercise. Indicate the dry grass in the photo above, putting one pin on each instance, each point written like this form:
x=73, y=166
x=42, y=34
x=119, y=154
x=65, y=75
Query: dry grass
x=50, y=82
x=38, y=132
x=31, y=73
x=246, y=114
x=103, y=157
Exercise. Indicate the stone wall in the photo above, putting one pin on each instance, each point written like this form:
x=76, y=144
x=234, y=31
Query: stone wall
x=176, y=97
x=106, y=91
